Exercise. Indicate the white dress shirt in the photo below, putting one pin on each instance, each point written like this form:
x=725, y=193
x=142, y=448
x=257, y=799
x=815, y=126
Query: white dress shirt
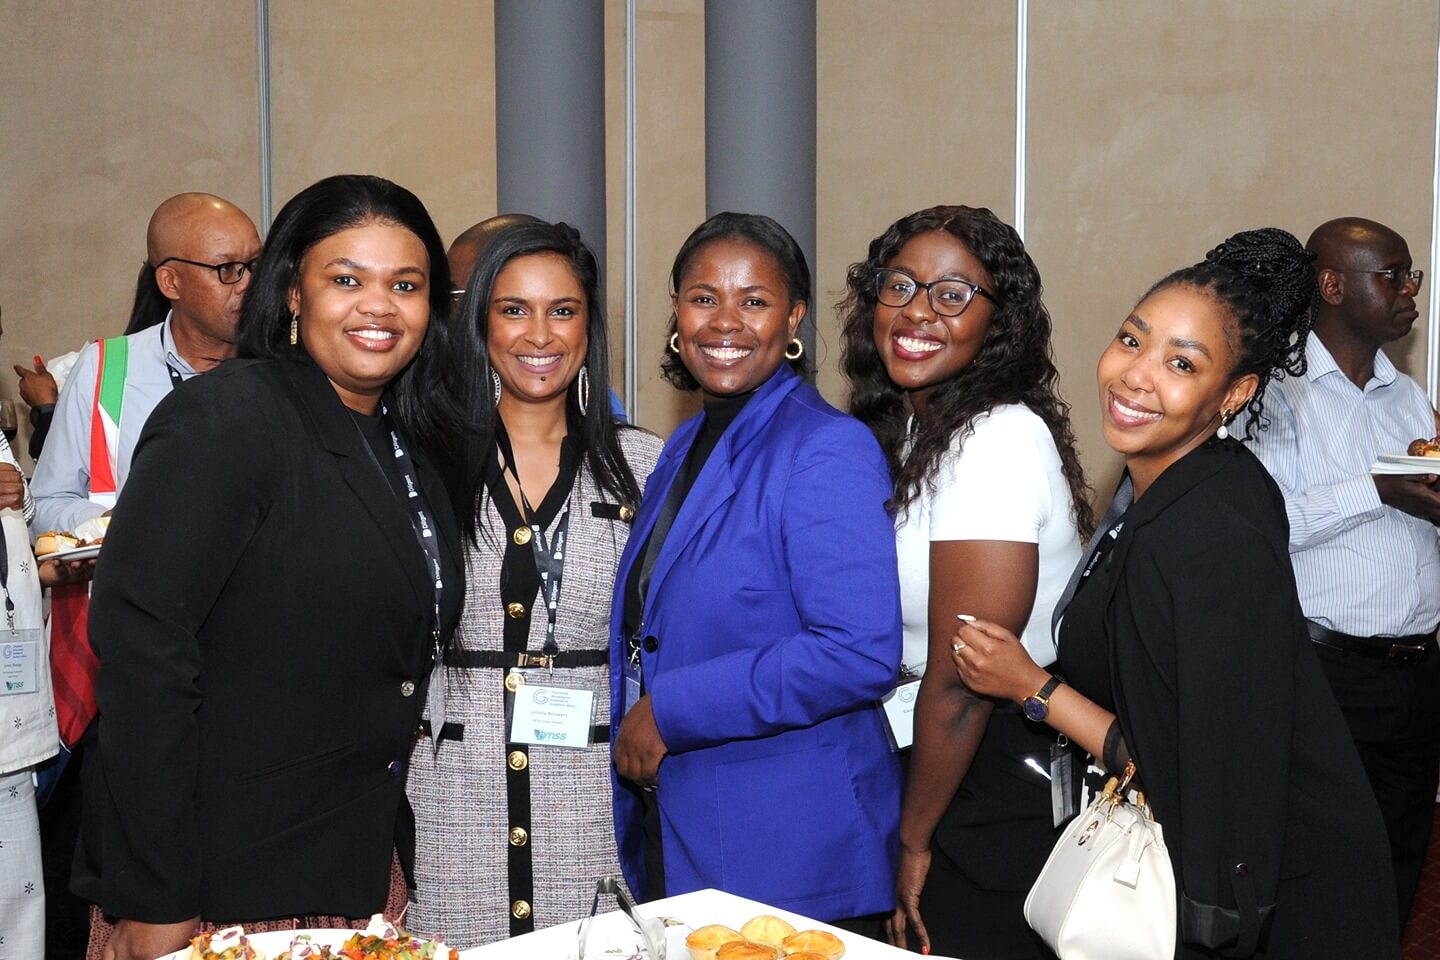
x=1362, y=568
x=62, y=476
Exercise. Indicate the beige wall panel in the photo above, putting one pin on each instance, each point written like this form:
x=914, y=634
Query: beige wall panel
x=613, y=270
x=1157, y=129
x=403, y=91
x=107, y=109
x=670, y=183
x=904, y=122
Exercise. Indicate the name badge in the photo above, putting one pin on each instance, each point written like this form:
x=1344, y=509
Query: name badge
x=899, y=709
x=18, y=656
x=552, y=716
x=632, y=693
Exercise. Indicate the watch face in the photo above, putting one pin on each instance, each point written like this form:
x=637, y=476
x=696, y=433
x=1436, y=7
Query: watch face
x=1035, y=709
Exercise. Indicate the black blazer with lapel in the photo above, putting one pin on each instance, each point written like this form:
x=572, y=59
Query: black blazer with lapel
x=262, y=613
x=1276, y=839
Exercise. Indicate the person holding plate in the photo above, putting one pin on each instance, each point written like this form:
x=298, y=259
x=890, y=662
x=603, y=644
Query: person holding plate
x=1182, y=645
x=947, y=349
x=511, y=785
x=1374, y=634
x=757, y=616
x=264, y=659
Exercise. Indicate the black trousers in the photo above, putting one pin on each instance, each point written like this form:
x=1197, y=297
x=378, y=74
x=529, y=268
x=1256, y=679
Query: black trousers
x=1394, y=715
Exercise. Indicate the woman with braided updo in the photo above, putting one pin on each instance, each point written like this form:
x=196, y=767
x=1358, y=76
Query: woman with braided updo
x=1183, y=646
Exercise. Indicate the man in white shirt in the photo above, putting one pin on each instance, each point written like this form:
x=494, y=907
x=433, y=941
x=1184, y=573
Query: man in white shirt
x=202, y=249
x=1365, y=548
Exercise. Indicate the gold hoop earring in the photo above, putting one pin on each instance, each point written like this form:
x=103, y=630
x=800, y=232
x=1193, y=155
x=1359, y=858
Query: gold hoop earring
x=294, y=329
x=798, y=346
x=673, y=344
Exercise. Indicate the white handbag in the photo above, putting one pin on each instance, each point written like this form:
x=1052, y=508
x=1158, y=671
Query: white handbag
x=1107, y=892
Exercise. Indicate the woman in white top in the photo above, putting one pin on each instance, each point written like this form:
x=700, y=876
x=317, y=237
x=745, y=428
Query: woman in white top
x=947, y=348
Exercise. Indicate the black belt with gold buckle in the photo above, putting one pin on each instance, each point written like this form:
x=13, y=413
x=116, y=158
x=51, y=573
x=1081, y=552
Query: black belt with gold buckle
x=1397, y=650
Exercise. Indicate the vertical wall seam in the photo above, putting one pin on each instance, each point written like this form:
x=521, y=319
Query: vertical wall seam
x=1022, y=57
x=1432, y=328
x=262, y=84
x=632, y=321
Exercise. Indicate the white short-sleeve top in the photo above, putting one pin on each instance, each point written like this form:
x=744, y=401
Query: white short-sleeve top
x=1002, y=482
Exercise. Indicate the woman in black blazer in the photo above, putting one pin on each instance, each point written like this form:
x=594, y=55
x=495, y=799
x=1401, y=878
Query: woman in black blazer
x=278, y=580
x=1184, y=646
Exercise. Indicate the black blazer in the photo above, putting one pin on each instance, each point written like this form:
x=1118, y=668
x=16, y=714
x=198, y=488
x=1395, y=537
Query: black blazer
x=1277, y=842
x=262, y=613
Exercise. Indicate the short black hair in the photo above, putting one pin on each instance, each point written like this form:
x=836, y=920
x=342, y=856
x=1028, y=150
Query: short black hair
x=760, y=231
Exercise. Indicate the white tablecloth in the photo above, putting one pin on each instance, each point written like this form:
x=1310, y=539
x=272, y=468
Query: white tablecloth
x=612, y=931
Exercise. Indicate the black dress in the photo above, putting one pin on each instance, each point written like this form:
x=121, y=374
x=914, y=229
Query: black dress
x=1190, y=630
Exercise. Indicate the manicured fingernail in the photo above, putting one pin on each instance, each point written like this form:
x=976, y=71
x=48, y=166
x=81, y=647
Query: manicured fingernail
x=926, y=950
x=38, y=361
x=965, y=616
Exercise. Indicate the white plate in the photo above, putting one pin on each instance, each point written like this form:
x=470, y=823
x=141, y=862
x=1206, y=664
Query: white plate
x=74, y=553
x=278, y=941
x=1417, y=464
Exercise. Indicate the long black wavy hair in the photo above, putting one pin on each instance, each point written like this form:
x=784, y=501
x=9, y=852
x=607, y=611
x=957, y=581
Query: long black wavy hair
x=1266, y=282
x=322, y=210
x=1014, y=364
x=596, y=433
x=757, y=230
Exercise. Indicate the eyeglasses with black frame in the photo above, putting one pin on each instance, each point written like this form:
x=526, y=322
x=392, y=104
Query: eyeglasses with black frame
x=229, y=273
x=948, y=297
x=1399, y=279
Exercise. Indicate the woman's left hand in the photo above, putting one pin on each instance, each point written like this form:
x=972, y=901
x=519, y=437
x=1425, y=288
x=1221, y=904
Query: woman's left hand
x=992, y=662
x=639, y=747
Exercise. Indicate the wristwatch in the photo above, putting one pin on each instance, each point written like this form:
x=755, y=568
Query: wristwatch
x=1037, y=706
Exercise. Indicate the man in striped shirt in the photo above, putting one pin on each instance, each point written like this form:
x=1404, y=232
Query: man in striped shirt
x=1365, y=548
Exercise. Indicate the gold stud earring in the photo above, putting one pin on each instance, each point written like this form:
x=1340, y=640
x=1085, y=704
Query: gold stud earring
x=796, y=345
x=294, y=329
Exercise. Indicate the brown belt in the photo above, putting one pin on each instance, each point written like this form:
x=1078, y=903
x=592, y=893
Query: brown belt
x=1397, y=650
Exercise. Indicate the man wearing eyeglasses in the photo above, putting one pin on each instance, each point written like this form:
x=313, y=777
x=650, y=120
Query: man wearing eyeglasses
x=202, y=249
x=1365, y=548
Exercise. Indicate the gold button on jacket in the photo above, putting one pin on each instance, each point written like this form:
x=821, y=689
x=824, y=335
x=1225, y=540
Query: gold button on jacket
x=520, y=909
x=518, y=837
x=518, y=760
x=522, y=535
x=516, y=610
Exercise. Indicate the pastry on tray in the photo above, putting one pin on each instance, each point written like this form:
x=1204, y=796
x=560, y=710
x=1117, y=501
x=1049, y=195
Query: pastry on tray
x=819, y=942
x=747, y=950
x=766, y=929
x=1424, y=448
x=704, y=942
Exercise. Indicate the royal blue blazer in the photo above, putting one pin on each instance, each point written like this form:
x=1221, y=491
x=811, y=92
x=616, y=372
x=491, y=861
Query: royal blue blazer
x=772, y=627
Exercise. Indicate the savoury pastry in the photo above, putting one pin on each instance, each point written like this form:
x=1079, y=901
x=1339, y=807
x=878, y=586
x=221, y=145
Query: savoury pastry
x=767, y=929
x=814, y=942
x=1423, y=448
x=703, y=943
x=747, y=950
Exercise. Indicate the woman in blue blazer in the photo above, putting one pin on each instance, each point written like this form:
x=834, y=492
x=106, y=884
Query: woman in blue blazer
x=757, y=616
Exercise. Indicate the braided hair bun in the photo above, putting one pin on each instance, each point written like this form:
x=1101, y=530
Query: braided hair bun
x=1265, y=279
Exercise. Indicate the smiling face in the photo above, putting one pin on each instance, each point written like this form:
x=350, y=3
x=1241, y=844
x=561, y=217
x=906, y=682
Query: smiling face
x=537, y=328
x=734, y=317
x=1166, y=377
x=919, y=348
x=362, y=299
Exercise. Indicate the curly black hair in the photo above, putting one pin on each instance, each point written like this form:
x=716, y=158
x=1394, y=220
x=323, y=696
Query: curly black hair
x=757, y=230
x=1265, y=280
x=1014, y=365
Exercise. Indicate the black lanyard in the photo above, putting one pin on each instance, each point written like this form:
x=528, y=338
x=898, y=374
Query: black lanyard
x=5, y=580
x=420, y=516
x=176, y=378
x=549, y=561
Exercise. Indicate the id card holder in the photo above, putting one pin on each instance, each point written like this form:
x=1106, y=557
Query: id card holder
x=20, y=652
x=552, y=716
x=898, y=706
x=1062, y=781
